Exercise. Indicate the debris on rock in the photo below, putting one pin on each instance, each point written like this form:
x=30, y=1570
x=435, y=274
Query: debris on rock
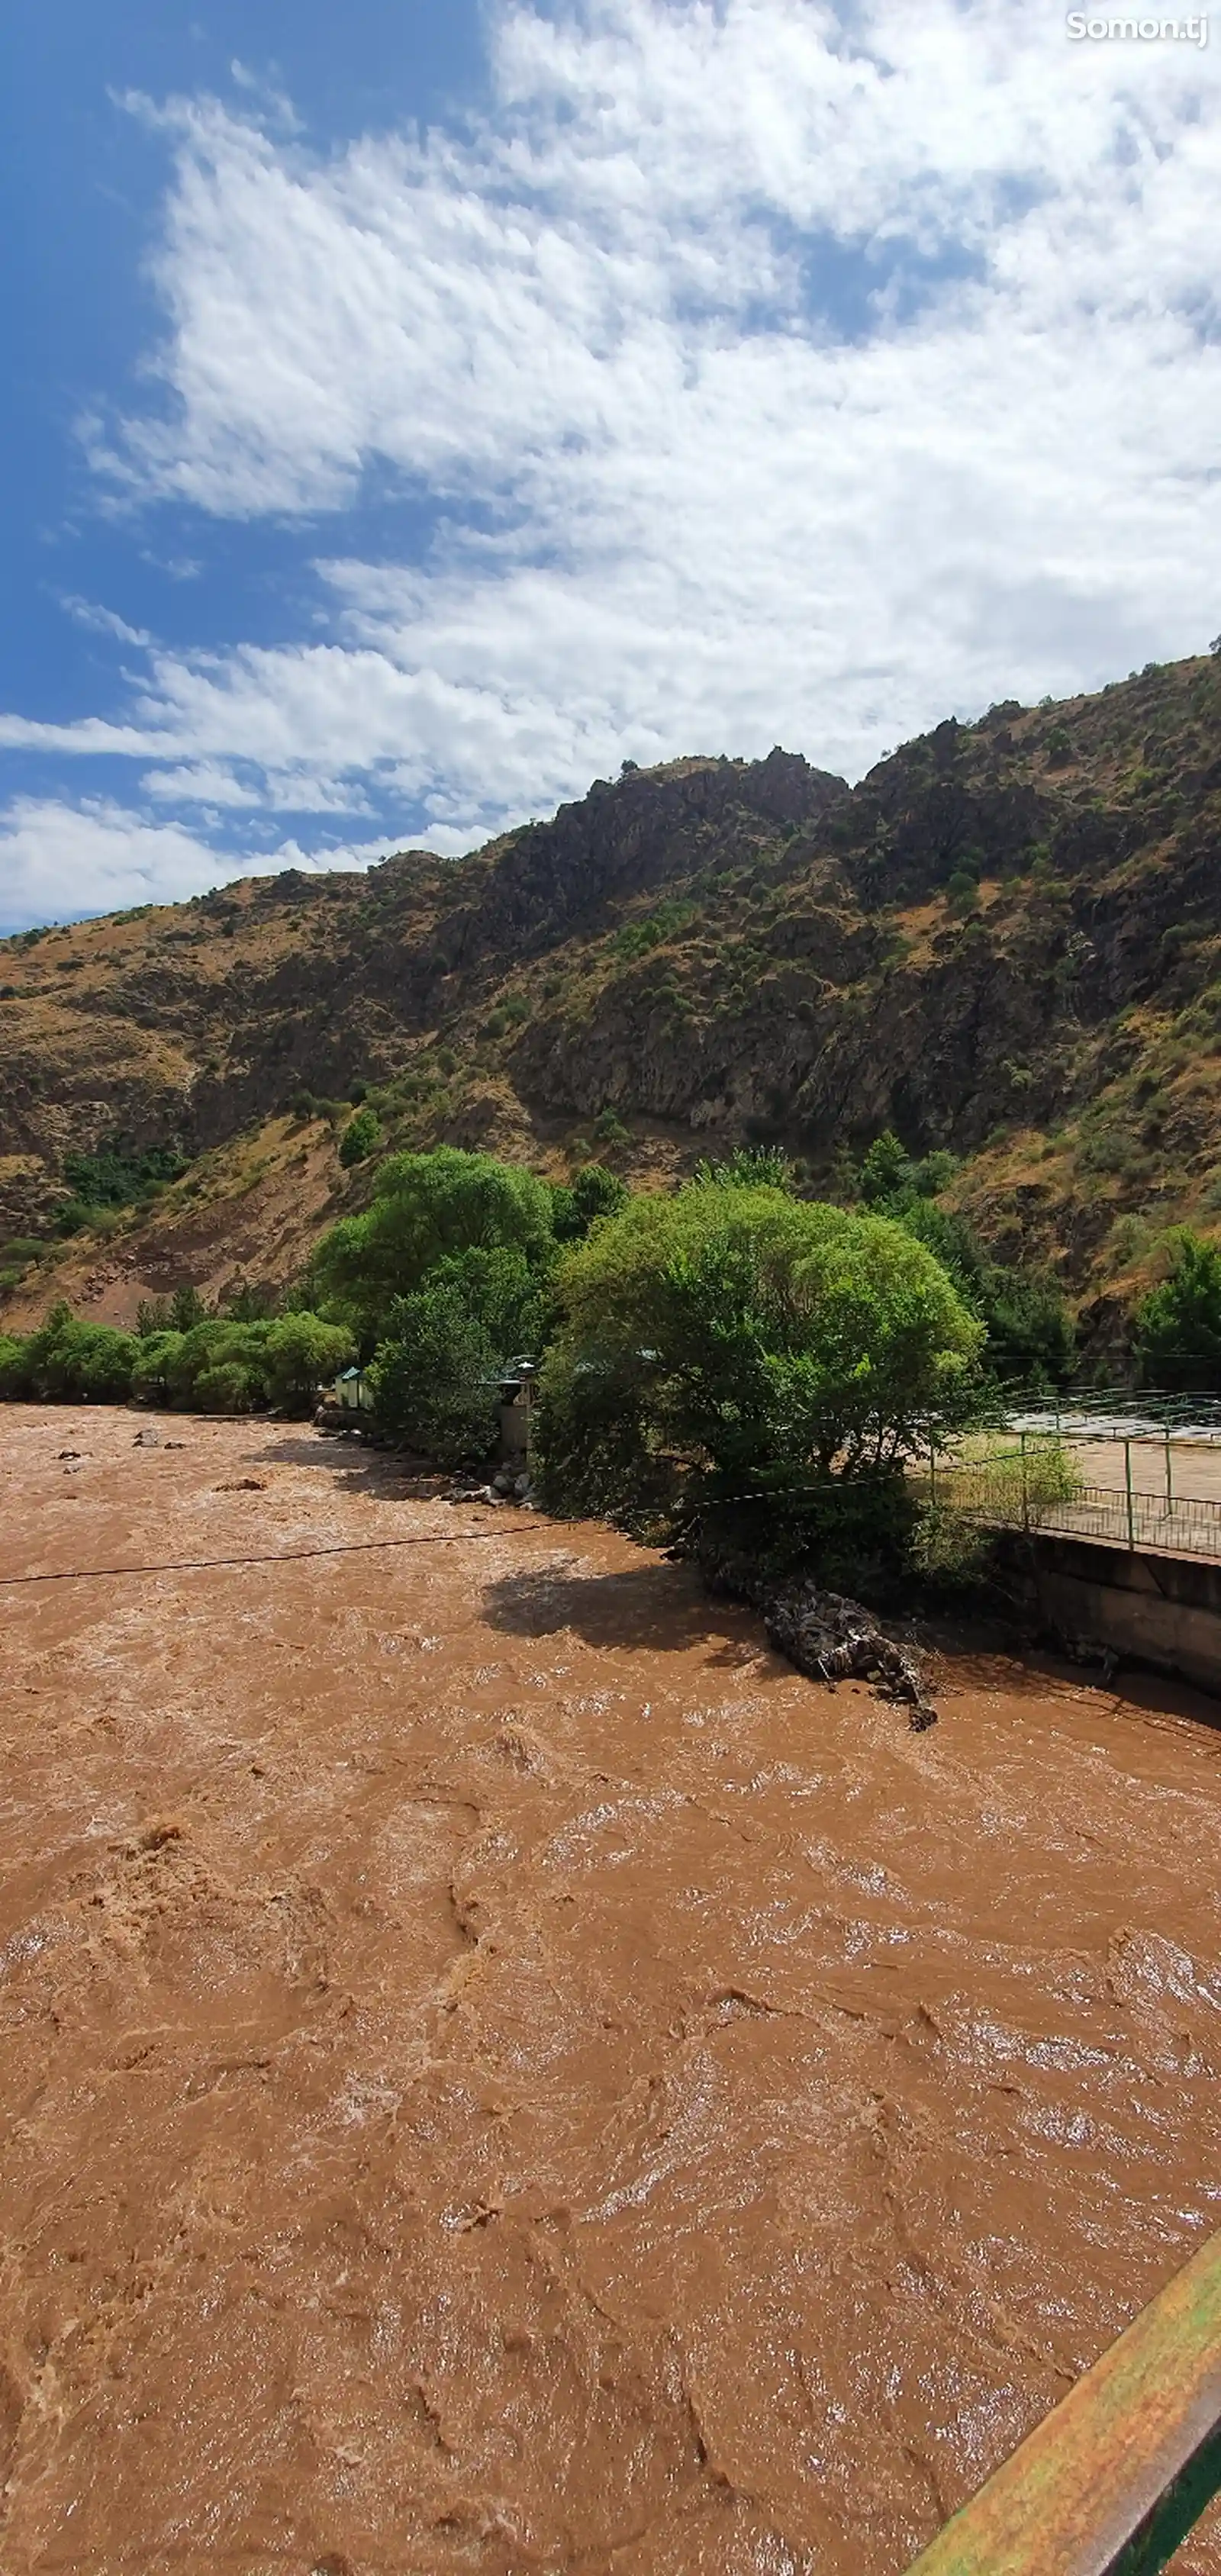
x=824, y=1633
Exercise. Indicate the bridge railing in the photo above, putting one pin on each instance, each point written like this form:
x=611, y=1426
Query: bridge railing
x=1039, y=1489
x=1116, y=2476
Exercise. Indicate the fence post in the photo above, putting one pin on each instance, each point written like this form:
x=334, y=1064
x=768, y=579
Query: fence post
x=1127, y=1471
x=1169, y=1493
x=1025, y=1488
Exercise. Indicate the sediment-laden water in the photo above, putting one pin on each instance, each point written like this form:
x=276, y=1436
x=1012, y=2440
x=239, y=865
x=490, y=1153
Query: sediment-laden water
x=500, y=2074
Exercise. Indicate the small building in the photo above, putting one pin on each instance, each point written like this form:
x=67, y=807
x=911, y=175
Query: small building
x=518, y=1394
x=352, y=1391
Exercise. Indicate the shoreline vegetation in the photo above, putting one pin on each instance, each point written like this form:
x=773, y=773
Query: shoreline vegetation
x=729, y=1357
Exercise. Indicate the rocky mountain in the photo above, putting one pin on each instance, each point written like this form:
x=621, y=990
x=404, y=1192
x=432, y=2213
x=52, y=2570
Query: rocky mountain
x=1005, y=941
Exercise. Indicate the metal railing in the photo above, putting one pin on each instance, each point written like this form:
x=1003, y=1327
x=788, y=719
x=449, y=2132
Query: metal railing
x=1096, y=1411
x=1038, y=1489
x=1116, y=2476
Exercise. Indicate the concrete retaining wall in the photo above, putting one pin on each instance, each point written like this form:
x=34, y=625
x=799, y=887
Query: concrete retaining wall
x=1164, y=1611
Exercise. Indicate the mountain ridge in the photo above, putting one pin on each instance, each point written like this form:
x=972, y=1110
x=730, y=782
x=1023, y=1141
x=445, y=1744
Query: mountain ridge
x=1004, y=942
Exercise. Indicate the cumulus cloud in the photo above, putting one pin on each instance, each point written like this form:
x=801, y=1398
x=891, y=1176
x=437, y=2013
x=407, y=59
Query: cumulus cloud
x=59, y=862
x=768, y=370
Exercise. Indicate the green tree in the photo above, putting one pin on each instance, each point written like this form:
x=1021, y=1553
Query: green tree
x=593, y=1192
x=732, y=1339
x=885, y=1170
x=425, y=1206
x=152, y=1370
x=231, y=1386
x=508, y=1298
x=1026, y=1316
x=434, y=1385
x=764, y=1167
x=361, y=1137
x=14, y=1368
x=187, y=1309
x=300, y=1354
x=68, y=1358
x=211, y=1346
x=1178, y=1325
x=250, y=1302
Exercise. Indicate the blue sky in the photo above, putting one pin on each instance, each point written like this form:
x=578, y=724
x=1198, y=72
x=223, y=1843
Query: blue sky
x=415, y=410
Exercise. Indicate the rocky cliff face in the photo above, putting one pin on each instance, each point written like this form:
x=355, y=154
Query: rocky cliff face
x=1003, y=941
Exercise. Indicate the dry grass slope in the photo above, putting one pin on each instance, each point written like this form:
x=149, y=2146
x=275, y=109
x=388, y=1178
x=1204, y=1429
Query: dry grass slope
x=1006, y=941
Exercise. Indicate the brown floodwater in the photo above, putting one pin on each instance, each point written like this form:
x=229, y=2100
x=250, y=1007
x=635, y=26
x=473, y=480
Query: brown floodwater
x=501, y=2074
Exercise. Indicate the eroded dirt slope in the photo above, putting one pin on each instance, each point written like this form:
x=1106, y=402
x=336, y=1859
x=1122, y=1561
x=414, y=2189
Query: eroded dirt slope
x=500, y=2074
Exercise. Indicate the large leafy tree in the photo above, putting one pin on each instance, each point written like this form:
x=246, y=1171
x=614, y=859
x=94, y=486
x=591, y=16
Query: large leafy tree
x=434, y=1383
x=435, y=1377
x=736, y=1338
x=68, y=1358
x=300, y=1354
x=425, y=1206
x=1178, y=1327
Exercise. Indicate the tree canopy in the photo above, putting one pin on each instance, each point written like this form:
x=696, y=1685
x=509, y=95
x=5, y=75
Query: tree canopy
x=734, y=1335
x=424, y=1207
x=1178, y=1326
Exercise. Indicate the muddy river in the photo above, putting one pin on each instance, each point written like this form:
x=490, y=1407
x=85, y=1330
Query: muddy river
x=500, y=2074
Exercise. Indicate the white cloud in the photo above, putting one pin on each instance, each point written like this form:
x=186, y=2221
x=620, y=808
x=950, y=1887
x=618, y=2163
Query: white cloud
x=770, y=373
x=59, y=861
x=103, y=621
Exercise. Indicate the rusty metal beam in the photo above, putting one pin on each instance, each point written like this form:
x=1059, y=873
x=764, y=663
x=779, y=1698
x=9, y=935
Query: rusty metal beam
x=1114, y=2478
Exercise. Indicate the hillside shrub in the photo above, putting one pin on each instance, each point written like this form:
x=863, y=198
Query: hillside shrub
x=638, y=938
x=118, y=1175
x=361, y=1137
x=962, y=893
x=765, y=1167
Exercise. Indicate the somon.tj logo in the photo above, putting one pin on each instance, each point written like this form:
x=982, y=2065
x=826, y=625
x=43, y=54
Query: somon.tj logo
x=1141, y=31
